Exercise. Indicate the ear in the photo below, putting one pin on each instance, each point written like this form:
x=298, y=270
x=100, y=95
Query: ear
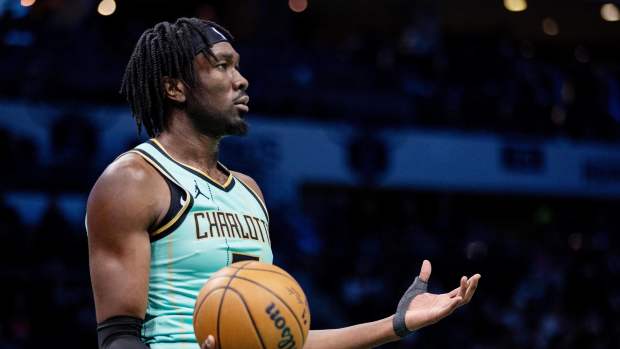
x=174, y=89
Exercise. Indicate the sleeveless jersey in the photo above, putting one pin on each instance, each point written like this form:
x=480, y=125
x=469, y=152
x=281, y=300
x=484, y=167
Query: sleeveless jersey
x=211, y=227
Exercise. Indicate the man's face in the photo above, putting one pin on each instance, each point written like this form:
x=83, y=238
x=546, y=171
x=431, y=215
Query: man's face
x=218, y=101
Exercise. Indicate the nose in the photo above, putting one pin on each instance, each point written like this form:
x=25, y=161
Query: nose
x=241, y=83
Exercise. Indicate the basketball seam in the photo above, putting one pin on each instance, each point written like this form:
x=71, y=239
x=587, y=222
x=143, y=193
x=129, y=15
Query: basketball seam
x=197, y=309
x=275, y=272
x=245, y=304
x=219, y=309
x=268, y=271
x=281, y=300
x=227, y=276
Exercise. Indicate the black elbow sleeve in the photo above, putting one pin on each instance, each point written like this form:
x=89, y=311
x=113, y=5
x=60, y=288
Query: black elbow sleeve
x=120, y=332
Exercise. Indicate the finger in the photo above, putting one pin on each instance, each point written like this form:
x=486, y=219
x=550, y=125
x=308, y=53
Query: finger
x=459, y=290
x=463, y=287
x=425, y=271
x=471, y=288
x=452, y=304
x=210, y=342
x=455, y=302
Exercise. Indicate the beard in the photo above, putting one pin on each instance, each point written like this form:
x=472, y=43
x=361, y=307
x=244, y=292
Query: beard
x=239, y=128
x=216, y=123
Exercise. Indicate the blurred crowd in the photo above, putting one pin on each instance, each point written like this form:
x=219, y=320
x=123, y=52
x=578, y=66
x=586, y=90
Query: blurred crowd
x=46, y=297
x=497, y=85
x=404, y=71
x=45, y=292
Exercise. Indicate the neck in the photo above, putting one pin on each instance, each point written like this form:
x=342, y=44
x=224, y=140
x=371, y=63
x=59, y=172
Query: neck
x=186, y=144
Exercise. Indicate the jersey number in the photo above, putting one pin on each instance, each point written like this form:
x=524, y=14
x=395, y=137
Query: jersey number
x=238, y=257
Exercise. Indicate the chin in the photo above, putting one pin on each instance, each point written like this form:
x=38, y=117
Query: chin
x=239, y=128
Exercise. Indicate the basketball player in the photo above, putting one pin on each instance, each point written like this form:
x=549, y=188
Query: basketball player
x=165, y=215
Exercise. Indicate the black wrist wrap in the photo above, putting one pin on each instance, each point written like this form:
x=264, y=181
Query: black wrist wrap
x=120, y=332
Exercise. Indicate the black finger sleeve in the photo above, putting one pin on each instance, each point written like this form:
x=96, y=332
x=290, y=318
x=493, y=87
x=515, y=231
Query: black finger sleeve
x=120, y=332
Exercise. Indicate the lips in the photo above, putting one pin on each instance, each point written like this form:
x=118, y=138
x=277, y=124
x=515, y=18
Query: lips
x=242, y=107
x=242, y=100
x=242, y=103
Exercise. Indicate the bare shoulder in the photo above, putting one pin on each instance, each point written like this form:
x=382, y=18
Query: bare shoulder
x=129, y=174
x=250, y=182
x=129, y=193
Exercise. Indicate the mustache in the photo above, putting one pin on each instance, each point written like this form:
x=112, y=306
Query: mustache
x=242, y=96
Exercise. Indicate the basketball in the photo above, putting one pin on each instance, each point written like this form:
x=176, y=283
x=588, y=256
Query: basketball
x=252, y=305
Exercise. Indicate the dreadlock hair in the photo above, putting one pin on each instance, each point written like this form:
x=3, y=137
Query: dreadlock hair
x=165, y=50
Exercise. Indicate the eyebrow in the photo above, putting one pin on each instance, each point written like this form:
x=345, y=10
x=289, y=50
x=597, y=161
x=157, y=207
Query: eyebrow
x=227, y=56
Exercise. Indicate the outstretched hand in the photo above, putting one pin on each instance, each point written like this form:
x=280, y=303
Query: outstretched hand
x=428, y=308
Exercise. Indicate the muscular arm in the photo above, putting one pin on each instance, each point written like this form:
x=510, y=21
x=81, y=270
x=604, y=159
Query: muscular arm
x=126, y=200
x=366, y=335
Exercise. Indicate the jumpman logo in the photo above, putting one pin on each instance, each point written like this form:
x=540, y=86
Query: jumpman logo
x=197, y=191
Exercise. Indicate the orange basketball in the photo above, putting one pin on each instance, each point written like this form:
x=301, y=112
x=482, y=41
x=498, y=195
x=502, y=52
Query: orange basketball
x=252, y=305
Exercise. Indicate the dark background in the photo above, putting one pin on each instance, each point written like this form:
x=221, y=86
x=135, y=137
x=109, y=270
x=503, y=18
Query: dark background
x=550, y=263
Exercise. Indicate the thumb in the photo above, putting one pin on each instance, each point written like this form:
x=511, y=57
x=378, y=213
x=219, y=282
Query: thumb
x=425, y=271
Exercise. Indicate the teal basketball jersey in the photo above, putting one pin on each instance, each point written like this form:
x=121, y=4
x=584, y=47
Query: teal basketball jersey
x=209, y=226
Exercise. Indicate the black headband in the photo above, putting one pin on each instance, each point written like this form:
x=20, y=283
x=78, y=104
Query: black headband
x=205, y=39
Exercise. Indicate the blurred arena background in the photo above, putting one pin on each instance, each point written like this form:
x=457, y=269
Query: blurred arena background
x=481, y=135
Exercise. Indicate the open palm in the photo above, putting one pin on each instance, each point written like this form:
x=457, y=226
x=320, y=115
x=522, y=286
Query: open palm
x=428, y=308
